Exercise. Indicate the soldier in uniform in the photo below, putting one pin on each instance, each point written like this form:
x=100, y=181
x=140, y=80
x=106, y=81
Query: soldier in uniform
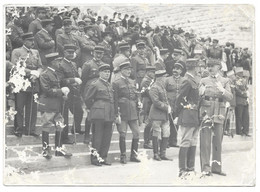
x=187, y=103
x=172, y=86
x=50, y=103
x=146, y=84
x=169, y=62
x=99, y=100
x=241, y=110
x=159, y=115
x=126, y=103
x=122, y=57
x=25, y=98
x=139, y=63
x=70, y=78
x=36, y=25
x=43, y=39
x=214, y=91
x=215, y=51
x=159, y=64
x=107, y=57
x=90, y=73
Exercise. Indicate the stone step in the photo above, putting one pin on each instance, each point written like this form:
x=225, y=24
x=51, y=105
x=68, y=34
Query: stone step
x=26, y=151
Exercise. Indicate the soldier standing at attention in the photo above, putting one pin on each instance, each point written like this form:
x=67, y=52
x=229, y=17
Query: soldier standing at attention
x=100, y=102
x=159, y=115
x=187, y=103
x=214, y=91
x=51, y=98
x=125, y=97
x=146, y=84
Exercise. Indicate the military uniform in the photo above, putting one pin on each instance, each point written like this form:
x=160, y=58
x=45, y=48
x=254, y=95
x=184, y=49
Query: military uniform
x=67, y=73
x=107, y=57
x=87, y=46
x=25, y=98
x=120, y=58
x=35, y=26
x=213, y=108
x=159, y=116
x=125, y=97
x=100, y=100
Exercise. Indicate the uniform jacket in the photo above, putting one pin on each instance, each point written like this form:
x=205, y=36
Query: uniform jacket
x=16, y=36
x=35, y=26
x=173, y=86
x=33, y=62
x=86, y=46
x=159, y=108
x=157, y=41
x=99, y=99
x=125, y=97
x=44, y=43
x=187, y=102
x=50, y=97
x=215, y=107
x=145, y=87
x=90, y=73
x=215, y=53
x=139, y=64
x=107, y=57
x=241, y=91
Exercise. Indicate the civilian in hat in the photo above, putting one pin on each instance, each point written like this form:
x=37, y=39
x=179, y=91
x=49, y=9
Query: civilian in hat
x=58, y=19
x=51, y=99
x=36, y=25
x=123, y=56
x=159, y=116
x=126, y=104
x=107, y=57
x=139, y=63
x=99, y=101
x=69, y=77
x=215, y=51
x=24, y=99
x=68, y=38
x=44, y=41
x=187, y=104
x=214, y=91
x=159, y=64
x=125, y=21
x=87, y=45
x=172, y=85
x=90, y=73
x=242, y=103
x=146, y=84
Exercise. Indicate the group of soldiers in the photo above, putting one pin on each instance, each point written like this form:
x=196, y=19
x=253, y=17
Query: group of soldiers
x=129, y=75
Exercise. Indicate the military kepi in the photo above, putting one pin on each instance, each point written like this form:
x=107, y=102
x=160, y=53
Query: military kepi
x=27, y=36
x=191, y=62
x=70, y=47
x=99, y=48
x=160, y=73
x=52, y=56
x=150, y=68
x=104, y=67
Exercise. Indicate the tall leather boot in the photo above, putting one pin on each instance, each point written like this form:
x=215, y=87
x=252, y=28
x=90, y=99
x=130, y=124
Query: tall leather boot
x=182, y=160
x=164, y=144
x=65, y=136
x=191, y=158
x=122, y=150
x=147, y=137
x=155, y=149
x=46, y=150
x=58, y=145
x=134, y=150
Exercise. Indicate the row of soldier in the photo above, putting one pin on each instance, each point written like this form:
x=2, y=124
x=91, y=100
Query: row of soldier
x=166, y=104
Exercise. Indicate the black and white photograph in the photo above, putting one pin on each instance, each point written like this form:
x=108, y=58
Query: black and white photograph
x=129, y=94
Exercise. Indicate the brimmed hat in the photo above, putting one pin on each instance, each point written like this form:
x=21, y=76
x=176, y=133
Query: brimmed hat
x=51, y=56
x=160, y=73
x=26, y=36
x=69, y=47
x=82, y=23
x=99, y=48
x=104, y=67
x=123, y=45
x=140, y=44
x=62, y=10
x=125, y=65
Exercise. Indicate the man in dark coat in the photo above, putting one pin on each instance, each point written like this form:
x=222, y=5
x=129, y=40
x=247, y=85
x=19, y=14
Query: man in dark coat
x=36, y=25
x=215, y=51
x=99, y=100
x=187, y=103
x=126, y=103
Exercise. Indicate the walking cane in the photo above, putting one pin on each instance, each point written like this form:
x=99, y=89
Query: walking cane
x=30, y=118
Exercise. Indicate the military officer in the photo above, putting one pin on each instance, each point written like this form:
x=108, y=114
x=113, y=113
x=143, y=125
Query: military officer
x=126, y=103
x=187, y=103
x=99, y=100
x=159, y=64
x=146, y=84
x=70, y=78
x=50, y=103
x=107, y=57
x=43, y=40
x=177, y=55
x=172, y=86
x=123, y=56
x=159, y=115
x=36, y=25
x=241, y=110
x=215, y=51
x=214, y=91
x=90, y=73
x=139, y=63
x=25, y=98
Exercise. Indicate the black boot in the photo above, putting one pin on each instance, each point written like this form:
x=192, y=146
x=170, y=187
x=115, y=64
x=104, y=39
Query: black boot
x=182, y=160
x=164, y=144
x=87, y=132
x=58, y=145
x=191, y=158
x=122, y=150
x=134, y=150
x=146, y=138
x=46, y=150
x=65, y=136
x=155, y=149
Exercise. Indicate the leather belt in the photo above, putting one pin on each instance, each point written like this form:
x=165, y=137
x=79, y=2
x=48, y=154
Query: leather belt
x=213, y=99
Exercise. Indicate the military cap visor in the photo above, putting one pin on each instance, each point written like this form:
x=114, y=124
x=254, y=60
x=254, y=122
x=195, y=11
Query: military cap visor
x=81, y=23
x=67, y=22
x=99, y=49
x=160, y=73
x=125, y=65
x=69, y=47
x=140, y=44
x=52, y=56
x=28, y=36
x=150, y=68
x=179, y=64
x=104, y=67
x=124, y=45
x=177, y=51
